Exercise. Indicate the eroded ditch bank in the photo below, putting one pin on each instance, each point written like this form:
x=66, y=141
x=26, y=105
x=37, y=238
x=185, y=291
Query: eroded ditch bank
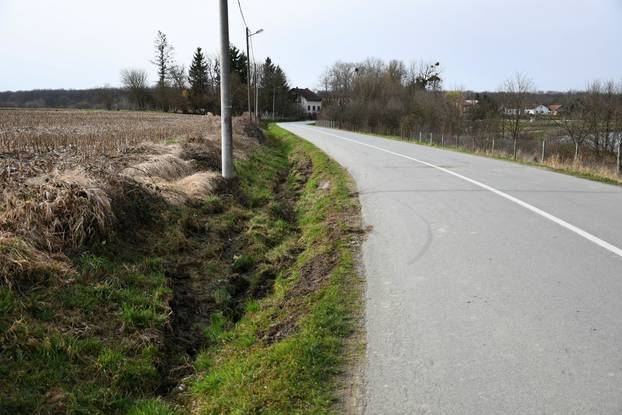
x=240, y=301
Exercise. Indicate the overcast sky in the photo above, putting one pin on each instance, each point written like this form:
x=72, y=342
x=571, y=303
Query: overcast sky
x=561, y=44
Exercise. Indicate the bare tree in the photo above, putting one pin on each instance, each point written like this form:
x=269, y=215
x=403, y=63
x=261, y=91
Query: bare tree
x=339, y=78
x=178, y=93
x=106, y=94
x=574, y=122
x=617, y=117
x=425, y=76
x=609, y=114
x=135, y=82
x=517, y=91
x=178, y=77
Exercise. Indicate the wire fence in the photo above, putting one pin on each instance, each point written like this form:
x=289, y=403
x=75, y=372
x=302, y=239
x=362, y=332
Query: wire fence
x=556, y=152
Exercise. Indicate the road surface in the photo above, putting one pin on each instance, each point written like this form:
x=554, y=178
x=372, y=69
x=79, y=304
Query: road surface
x=492, y=287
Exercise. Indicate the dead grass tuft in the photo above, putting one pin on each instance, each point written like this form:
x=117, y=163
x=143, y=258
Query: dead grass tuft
x=164, y=166
x=21, y=263
x=197, y=185
x=58, y=212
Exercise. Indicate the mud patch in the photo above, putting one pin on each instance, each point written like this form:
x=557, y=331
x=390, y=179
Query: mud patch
x=313, y=274
x=191, y=309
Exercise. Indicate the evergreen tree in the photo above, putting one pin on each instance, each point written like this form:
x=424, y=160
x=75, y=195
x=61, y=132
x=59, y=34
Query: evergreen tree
x=274, y=90
x=239, y=60
x=199, y=81
x=163, y=57
x=163, y=61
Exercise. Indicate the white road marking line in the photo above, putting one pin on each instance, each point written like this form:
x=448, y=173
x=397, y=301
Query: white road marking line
x=592, y=238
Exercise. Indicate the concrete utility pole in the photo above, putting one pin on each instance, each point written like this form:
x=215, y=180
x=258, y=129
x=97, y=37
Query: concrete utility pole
x=256, y=96
x=619, y=167
x=225, y=95
x=273, y=102
x=248, y=73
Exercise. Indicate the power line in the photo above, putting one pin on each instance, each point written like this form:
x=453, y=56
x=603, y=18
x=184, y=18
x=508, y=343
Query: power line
x=247, y=31
x=242, y=14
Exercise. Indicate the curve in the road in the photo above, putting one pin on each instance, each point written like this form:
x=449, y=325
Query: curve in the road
x=592, y=238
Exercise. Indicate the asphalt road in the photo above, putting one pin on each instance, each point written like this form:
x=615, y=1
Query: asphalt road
x=492, y=287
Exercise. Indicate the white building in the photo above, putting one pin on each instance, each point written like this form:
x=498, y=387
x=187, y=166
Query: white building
x=541, y=110
x=510, y=111
x=308, y=101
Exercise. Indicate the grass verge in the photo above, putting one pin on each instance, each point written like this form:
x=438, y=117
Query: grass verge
x=287, y=352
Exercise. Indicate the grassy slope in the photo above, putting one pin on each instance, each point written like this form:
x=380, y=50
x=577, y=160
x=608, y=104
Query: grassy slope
x=284, y=355
x=97, y=341
x=569, y=169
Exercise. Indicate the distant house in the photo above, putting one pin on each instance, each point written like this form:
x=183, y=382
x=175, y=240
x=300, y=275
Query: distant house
x=538, y=110
x=308, y=101
x=541, y=110
x=510, y=111
x=555, y=109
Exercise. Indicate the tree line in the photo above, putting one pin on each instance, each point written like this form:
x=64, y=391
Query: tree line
x=395, y=98
x=105, y=97
x=196, y=88
x=177, y=88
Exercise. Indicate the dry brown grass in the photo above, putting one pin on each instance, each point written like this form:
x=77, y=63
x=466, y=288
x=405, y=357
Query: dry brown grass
x=585, y=168
x=58, y=212
x=57, y=170
x=21, y=263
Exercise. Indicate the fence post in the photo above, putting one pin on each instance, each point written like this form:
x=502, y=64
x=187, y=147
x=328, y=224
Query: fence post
x=419, y=135
x=430, y=138
x=543, y=151
x=493, y=144
x=619, y=167
x=442, y=139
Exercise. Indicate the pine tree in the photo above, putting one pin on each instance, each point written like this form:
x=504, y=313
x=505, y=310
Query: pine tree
x=199, y=81
x=163, y=57
x=239, y=61
x=163, y=60
x=274, y=90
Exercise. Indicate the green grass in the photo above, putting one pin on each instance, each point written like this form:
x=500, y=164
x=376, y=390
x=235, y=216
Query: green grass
x=252, y=368
x=77, y=348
